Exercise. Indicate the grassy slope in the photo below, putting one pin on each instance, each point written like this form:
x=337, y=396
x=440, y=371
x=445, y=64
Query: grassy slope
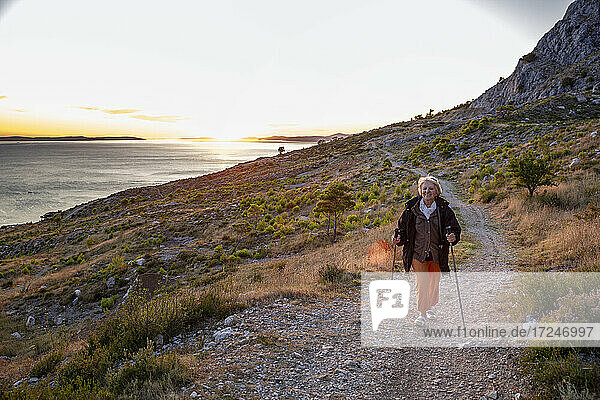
x=206, y=234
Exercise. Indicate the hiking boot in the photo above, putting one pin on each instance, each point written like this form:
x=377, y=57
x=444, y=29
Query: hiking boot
x=430, y=314
x=420, y=321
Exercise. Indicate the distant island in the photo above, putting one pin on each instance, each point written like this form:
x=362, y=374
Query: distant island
x=64, y=138
x=295, y=139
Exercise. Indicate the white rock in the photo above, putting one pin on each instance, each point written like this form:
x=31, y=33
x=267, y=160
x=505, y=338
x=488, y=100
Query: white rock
x=581, y=98
x=33, y=379
x=16, y=335
x=593, y=134
x=17, y=383
x=574, y=161
x=193, y=395
x=228, y=320
x=30, y=321
x=110, y=282
x=140, y=261
x=223, y=333
x=77, y=293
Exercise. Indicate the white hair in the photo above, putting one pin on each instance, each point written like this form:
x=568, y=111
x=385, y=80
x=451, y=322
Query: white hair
x=431, y=179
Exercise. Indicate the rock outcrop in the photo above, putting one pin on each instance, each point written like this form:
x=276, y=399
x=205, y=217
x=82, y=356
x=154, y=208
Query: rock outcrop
x=566, y=59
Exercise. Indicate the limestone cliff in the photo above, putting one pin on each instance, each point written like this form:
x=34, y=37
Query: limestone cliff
x=566, y=59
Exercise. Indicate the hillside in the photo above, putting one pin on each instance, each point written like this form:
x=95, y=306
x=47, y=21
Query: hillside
x=565, y=60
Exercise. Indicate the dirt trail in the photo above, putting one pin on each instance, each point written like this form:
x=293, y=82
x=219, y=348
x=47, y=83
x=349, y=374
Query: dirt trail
x=312, y=349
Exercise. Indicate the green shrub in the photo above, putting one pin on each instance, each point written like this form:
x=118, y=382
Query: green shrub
x=421, y=151
x=331, y=274
x=244, y=253
x=145, y=368
x=107, y=303
x=555, y=368
x=47, y=364
x=474, y=125
x=335, y=276
x=352, y=218
x=531, y=171
x=138, y=320
x=74, y=259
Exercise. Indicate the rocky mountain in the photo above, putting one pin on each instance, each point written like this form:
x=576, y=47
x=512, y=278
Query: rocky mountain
x=565, y=60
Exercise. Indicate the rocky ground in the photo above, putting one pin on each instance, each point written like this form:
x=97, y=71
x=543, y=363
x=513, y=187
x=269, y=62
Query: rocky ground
x=311, y=349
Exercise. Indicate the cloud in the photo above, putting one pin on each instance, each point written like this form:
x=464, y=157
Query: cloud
x=160, y=118
x=2, y=97
x=109, y=111
x=118, y=111
x=121, y=111
x=17, y=110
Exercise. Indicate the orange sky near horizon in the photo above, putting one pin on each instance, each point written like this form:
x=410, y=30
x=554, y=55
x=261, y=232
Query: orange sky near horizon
x=21, y=123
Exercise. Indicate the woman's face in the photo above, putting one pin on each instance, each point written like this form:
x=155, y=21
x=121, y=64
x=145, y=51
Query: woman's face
x=428, y=190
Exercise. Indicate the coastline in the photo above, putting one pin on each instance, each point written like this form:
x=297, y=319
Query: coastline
x=26, y=198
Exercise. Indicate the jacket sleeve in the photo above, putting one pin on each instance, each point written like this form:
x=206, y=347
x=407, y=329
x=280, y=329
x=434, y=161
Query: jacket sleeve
x=453, y=223
x=402, y=228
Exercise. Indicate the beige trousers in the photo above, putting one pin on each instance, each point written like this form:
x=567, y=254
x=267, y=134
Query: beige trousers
x=427, y=276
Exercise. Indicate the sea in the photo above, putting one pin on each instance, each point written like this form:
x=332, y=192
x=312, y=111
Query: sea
x=39, y=177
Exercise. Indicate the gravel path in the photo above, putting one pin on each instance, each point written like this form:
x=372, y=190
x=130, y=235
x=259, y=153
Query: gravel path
x=299, y=349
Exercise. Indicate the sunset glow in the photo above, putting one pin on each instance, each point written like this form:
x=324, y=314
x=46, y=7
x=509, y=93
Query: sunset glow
x=236, y=69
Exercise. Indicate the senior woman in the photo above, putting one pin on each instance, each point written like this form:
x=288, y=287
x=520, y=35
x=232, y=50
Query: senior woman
x=426, y=229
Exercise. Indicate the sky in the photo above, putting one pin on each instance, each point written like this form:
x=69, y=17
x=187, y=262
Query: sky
x=234, y=68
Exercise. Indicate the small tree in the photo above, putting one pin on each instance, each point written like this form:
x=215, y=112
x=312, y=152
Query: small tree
x=281, y=149
x=334, y=200
x=531, y=171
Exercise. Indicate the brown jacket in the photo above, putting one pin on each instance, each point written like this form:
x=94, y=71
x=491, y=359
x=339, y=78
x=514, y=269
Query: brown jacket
x=427, y=235
x=447, y=223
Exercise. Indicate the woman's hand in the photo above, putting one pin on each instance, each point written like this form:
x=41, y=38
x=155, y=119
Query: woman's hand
x=396, y=240
x=451, y=237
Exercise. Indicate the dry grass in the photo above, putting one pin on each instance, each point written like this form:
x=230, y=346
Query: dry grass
x=557, y=229
x=300, y=276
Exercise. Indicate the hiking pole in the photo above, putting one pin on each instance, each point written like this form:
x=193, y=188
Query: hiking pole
x=394, y=257
x=393, y=261
x=462, y=314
